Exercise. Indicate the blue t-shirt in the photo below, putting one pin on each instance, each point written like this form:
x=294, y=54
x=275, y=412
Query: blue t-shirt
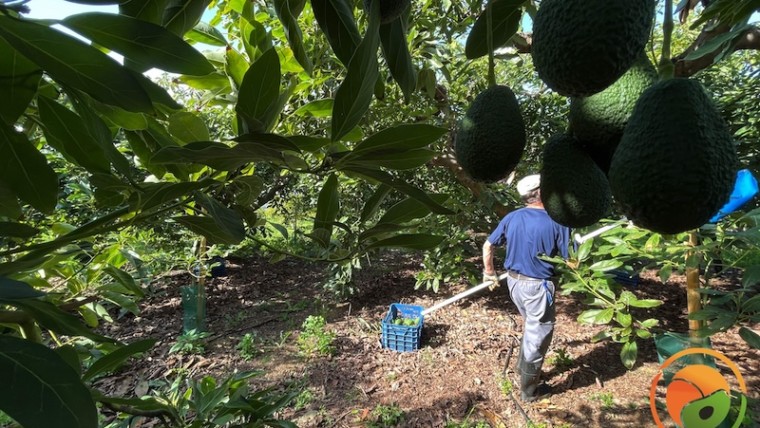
x=529, y=232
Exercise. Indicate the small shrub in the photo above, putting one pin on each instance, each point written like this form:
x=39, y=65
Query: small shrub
x=249, y=346
x=315, y=339
x=606, y=398
x=561, y=360
x=190, y=342
x=303, y=399
x=506, y=387
x=386, y=416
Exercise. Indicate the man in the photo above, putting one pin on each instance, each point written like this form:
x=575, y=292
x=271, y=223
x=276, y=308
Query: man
x=528, y=233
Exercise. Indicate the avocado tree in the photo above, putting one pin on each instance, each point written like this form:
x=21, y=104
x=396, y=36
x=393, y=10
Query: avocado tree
x=319, y=95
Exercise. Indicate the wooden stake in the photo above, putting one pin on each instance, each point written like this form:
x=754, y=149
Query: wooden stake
x=693, y=299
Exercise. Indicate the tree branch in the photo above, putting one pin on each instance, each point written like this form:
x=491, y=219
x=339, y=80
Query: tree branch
x=521, y=43
x=750, y=40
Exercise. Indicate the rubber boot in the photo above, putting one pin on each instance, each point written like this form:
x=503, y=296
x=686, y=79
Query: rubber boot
x=530, y=381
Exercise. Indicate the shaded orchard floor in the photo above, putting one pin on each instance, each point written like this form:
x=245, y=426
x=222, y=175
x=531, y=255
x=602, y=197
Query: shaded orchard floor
x=458, y=374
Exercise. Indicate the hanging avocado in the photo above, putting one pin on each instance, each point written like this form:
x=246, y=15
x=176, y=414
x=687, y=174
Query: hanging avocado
x=580, y=47
x=676, y=163
x=491, y=137
x=575, y=192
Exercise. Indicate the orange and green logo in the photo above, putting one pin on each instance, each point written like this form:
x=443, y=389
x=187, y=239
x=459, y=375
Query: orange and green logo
x=698, y=396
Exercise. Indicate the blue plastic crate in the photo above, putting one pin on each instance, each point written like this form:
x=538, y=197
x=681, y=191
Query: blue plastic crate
x=623, y=277
x=402, y=338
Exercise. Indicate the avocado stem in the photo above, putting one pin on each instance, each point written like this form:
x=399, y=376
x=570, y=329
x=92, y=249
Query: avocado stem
x=489, y=41
x=666, y=68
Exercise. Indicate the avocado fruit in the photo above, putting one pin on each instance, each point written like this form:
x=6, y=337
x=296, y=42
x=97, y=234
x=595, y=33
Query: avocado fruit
x=676, y=163
x=389, y=9
x=580, y=47
x=600, y=119
x=490, y=137
x=574, y=191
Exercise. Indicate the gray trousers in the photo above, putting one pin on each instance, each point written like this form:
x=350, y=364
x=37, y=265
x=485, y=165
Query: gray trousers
x=534, y=299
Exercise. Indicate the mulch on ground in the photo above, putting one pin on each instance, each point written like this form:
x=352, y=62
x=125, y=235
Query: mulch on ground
x=457, y=374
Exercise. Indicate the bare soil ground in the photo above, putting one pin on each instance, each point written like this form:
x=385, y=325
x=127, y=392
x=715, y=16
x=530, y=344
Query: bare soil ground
x=457, y=374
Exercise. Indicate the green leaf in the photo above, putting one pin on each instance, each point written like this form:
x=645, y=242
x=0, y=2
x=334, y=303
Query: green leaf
x=604, y=317
x=182, y=15
x=206, y=34
x=589, y=316
x=665, y=272
x=226, y=218
x=751, y=276
x=288, y=15
x=396, y=53
x=99, y=131
x=146, y=44
x=157, y=194
x=328, y=206
x=125, y=279
x=69, y=354
x=74, y=63
x=216, y=81
x=17, y=230
x=719, y=42
x=649, y=323
x=604, y=334
x=749, y=336
x=401, y=137
x=336, y=19
x=393, y=159
x=188, y=127
x=623, y=318
x=629, y=353
x=146, y=10
x=235, y=65
x=206, y=226
x=605, y=265
x=381, y=229
x=505, y=20
x=122, y=118
x=53, y=318
x=372, y=205
x=121, y=300
x=355, y=92
x=409, y=209
x=67, y=133
x=10, y=289
x=646, y=303
x=256, y=38
x=409, y=241
x=401, y=186
x=9, y=206
x=19, y=79
x=25, y=170
x=751, y=305
x=319, y=108
x=250, y=188
x=584, y=250
x=214, y=154
x=113, y=360
x=259, y=93
x=43, y=391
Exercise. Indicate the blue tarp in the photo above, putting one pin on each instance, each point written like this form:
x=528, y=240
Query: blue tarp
x=745, y=189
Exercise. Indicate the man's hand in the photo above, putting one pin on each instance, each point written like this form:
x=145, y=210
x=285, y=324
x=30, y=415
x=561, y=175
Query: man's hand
x=491, y=277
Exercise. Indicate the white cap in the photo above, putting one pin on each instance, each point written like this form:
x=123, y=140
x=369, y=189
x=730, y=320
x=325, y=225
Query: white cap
x=528, y=184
